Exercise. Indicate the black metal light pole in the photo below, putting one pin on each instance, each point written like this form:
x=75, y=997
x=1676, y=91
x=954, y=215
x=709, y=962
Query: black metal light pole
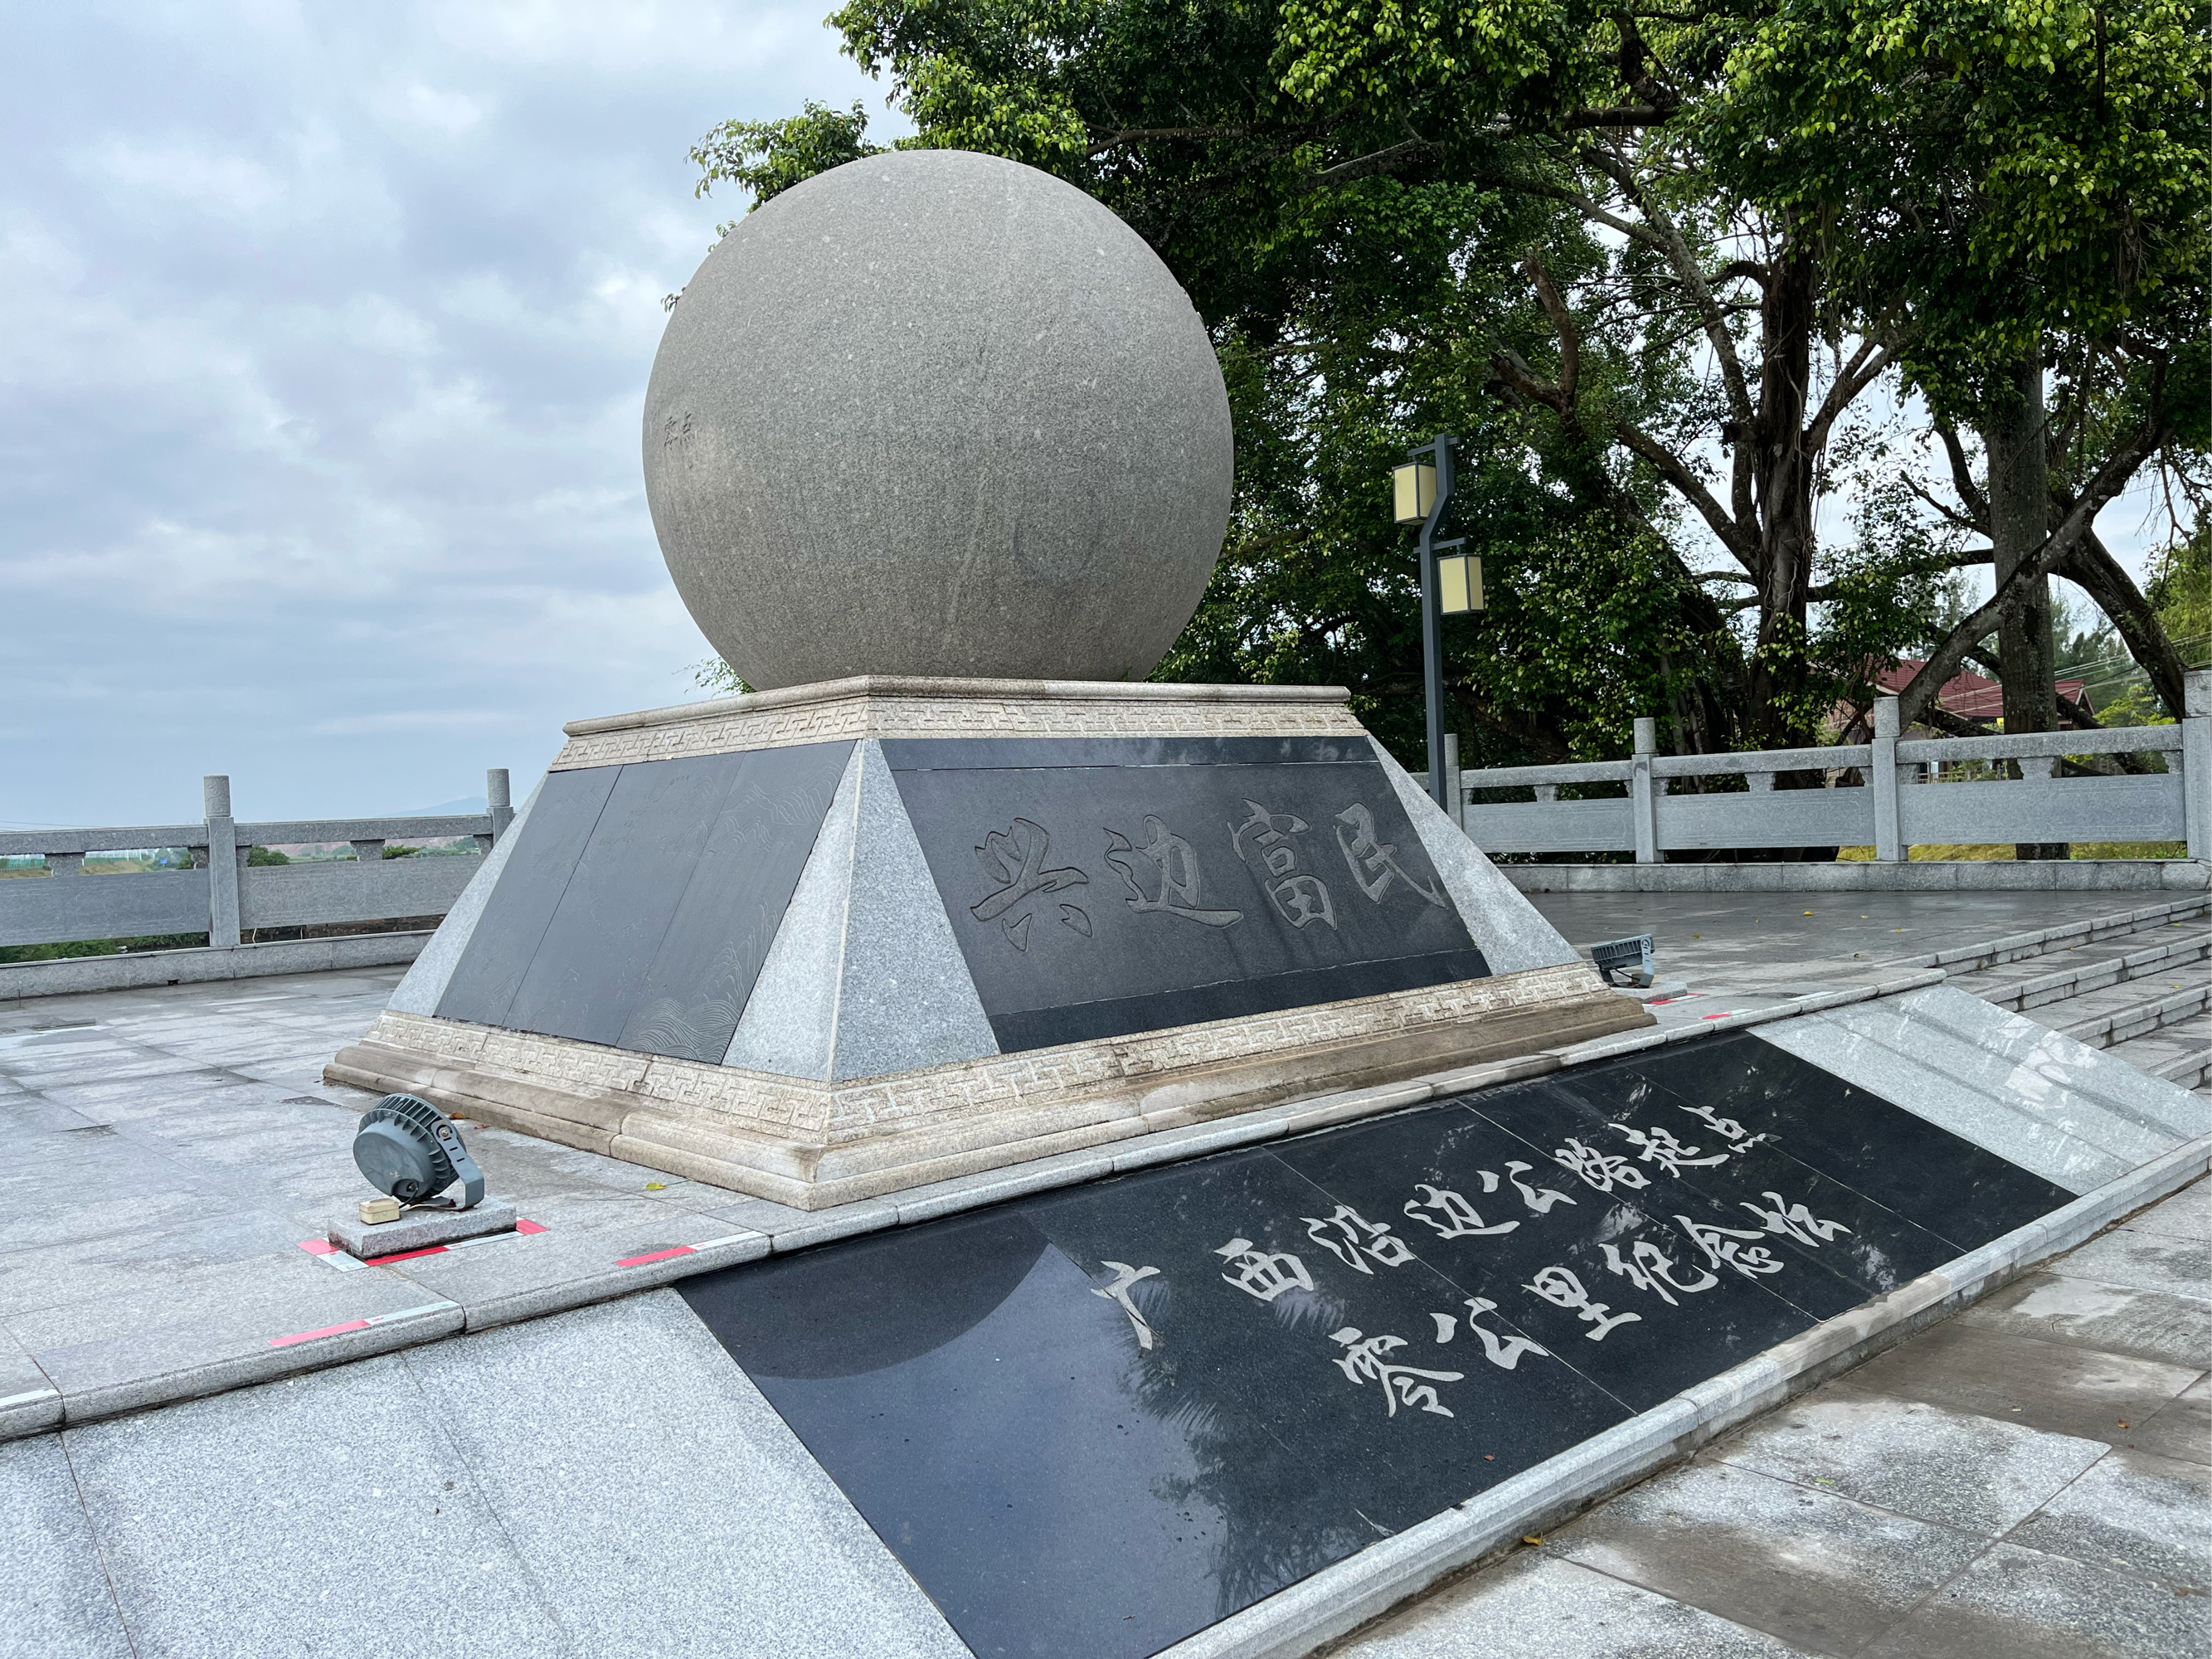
x=1410, y=490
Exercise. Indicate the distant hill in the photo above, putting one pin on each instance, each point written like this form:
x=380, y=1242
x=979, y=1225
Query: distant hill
x=444, y=809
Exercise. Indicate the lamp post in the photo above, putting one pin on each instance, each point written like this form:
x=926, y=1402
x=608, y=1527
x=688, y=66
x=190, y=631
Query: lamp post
x=1451, y=580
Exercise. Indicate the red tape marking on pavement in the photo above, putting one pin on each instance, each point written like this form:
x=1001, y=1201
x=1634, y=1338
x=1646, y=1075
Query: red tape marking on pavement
x=681, y=1250
x=359, y=1324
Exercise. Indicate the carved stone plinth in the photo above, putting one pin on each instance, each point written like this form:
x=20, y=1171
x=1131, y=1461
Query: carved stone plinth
x=840, y=940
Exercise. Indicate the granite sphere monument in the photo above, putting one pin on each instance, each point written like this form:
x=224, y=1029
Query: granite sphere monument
x=937, y=413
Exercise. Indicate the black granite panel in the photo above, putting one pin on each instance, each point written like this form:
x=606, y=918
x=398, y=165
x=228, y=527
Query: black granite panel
x=1928, y=1175
x=1093, y=1421
x=970, y=754
x=1677, y=1141
x=688, y=1001
x=1611, y=1291
x=641, y=901
x=1573, y=1137
x=1081, y=890
x=609, y=924
x=1065, y=1482
x=1044, y=1028
x=548, y=843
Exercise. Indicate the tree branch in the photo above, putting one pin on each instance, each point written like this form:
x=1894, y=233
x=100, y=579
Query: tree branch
x=1676, y=247
x=1382, y=160
x=2111, y=479
x=1688, y=485
x=1100, y=145
x=1962, y=478
x=1866, y=364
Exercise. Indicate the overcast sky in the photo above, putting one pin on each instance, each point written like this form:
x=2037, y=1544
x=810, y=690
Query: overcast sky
x=323, y=334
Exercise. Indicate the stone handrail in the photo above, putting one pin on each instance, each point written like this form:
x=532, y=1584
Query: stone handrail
x=1896, y=808
x=224, y=896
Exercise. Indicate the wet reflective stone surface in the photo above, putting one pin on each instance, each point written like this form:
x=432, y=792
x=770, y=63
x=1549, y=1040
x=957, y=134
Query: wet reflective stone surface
x=1094, y=1421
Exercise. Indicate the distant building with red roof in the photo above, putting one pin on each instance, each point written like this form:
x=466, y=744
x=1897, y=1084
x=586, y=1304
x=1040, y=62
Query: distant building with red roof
x=1973, y=697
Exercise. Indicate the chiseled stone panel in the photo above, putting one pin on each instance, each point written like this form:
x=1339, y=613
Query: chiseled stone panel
x=790, y=1020
x=841, y=1115
x=905, y=1000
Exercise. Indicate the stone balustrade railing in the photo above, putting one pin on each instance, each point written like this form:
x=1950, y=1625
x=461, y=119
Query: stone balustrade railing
x=225, y=896
x=1883, y=794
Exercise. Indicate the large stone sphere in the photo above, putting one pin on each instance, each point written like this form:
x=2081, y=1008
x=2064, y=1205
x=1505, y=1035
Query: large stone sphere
x=937, y=413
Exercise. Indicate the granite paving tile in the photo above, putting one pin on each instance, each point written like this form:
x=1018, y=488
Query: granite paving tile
x=2014, y=1603
x=2057, y=1387
x=1821, y=1572
x=2116, y=1318
x=2135, y=1512
x=1968, y=1473
x=2182, y=1428
x=54, y=1600
x=2146, y=1260
x=239, y=1526
x=1539, y=1604
x=609, y=1443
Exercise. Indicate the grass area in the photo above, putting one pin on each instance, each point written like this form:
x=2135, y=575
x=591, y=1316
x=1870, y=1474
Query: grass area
x=2001, y=852
x=100, y=947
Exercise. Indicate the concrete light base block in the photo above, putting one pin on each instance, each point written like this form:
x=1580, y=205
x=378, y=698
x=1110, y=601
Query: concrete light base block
x=420, y=1230
x=829, y=943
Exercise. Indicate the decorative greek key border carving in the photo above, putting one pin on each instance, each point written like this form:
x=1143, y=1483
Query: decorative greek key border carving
x=824, y=1115
x=950, y=709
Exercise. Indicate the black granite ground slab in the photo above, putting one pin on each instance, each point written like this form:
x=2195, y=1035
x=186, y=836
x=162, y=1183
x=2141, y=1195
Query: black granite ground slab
x=1564, y=1129
x=1928, y=1177
x=1677, y=1141
x=1094, y=1421
x=640, y=900
x=1100, y=887
x=1605, y=1282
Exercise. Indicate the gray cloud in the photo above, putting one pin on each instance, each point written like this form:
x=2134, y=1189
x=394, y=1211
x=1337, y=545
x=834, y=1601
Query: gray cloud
x=324, y=333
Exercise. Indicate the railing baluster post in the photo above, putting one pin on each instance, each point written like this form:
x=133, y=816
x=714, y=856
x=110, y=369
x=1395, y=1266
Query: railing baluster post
x=1453, y=793
x=1881, y=777
x=2195, y=758
x=222, y=856
x=1642, y=807
x=498, y=801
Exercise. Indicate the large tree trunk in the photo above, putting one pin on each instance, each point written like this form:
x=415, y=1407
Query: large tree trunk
x=2020, y=506
x=1783, y=485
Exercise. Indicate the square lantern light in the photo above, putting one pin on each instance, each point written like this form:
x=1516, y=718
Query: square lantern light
x=1459, y=579
x=1414, y=490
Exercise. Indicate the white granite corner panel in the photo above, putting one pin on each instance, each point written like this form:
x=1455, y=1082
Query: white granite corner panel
x=1510, y=931
x=425, y=984
x=1990, y=1121
x=1905, y=1024
x=2096, y=1074
x=790, y=1020
x=905, y=1000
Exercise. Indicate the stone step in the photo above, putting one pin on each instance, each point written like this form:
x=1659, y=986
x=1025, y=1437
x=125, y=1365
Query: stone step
x=2139, y=1017
x=2079, y=978
x=1963, y=961
x=2181, y=1052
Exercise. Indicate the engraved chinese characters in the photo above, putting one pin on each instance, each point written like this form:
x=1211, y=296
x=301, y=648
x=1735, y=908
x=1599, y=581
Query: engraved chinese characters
x=1100, y=887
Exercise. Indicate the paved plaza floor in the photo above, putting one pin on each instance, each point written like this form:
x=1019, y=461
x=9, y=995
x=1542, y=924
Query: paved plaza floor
x=2028, y=1478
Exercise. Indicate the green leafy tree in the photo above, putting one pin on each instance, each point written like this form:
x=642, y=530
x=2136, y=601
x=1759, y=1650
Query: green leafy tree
x=1608, y=250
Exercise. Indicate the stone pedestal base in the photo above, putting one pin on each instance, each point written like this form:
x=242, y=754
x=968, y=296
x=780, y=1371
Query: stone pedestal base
x=838, y=941
x=420, y=1230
